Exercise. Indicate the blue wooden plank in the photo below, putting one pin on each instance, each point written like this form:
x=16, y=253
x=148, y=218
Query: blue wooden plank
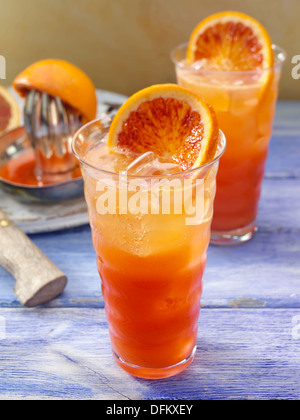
x=267, y=269
x=279, y=207
x=265, y=272
x=283, y=158
x=287, y=117
x=262, y=273
x=65, y=353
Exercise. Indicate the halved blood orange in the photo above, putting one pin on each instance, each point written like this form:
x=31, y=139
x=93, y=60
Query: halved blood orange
x=9, y=111
x=168, y=120
x=230, y=41
x=63, y=79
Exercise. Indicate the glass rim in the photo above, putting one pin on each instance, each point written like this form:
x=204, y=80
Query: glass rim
x=281, y=56
x=221, y=141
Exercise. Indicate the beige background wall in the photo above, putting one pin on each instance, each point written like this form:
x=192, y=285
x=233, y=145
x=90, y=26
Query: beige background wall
x=124, y=45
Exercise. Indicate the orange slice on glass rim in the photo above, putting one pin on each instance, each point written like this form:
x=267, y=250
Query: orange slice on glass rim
x=230, y=41
x=168, y=120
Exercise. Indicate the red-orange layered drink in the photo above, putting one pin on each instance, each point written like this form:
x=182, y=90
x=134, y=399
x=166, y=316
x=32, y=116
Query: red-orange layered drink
x=239, y=78
x=151, y=228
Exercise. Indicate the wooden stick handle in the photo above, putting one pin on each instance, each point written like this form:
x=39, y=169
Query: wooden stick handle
x=38, y=280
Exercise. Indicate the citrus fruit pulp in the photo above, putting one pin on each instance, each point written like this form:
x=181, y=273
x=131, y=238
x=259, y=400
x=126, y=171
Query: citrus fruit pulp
x=62, y=79
x=168, y=120
x=9, y=111
x=230, y=41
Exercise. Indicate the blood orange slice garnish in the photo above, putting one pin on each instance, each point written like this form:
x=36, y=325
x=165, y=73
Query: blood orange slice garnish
x=9, y=111
x=168, y=120
x=230, y=41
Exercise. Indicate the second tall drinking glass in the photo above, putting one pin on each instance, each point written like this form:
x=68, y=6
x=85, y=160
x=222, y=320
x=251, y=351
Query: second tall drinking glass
x=245, y=105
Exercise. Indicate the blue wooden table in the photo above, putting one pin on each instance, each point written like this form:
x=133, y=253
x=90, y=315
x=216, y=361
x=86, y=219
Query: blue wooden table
x=249, y=326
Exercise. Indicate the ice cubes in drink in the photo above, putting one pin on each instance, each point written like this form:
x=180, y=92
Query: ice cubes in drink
x=149, y=164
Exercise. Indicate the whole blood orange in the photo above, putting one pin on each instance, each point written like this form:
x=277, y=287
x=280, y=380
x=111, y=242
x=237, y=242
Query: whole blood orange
x=63, y=79
x=9, y=111
x=168, y=120
x=230, y=41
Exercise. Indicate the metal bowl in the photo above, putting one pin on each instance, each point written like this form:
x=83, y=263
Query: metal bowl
x=13, y=144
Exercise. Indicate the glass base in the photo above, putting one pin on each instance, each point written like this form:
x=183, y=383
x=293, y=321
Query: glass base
x=233, y=237
x=155, y=373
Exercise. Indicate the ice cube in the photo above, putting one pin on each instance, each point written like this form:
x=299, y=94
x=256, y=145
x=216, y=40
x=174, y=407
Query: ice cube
x=101, y=157
x=141, y=163
x=149, y=164
x=199, y=64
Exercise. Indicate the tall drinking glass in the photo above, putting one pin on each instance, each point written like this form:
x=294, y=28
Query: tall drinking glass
x=150, y=233
x=245, y=104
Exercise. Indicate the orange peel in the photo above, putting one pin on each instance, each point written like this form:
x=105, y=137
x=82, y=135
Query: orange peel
x=63, y=79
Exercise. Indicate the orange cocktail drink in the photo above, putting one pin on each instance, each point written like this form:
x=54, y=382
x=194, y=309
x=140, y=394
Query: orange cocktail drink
x=244, y=101
x=151, y=228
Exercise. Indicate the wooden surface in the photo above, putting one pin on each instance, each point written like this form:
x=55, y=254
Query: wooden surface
x=249, y=326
